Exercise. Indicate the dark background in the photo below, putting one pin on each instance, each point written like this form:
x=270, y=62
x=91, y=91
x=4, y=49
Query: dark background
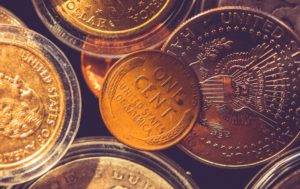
x=92, y=125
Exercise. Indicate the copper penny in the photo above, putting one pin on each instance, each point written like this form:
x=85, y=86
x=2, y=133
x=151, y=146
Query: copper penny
x=150, y=100
x=247, y=63
x=94, y=70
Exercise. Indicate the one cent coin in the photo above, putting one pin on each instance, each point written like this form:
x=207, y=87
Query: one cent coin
x=112, y=18
x=94, y=70
x=6, y=17
x=150, y=100
x=247, y=63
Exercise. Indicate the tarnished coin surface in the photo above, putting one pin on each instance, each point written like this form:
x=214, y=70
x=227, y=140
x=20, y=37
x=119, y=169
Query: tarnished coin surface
x=32, y=105
x=248, y=67
x=286, y=10
x=150, y=100
x=107, y=172
x=94, y=70
x=6, y=17
x=112, y=18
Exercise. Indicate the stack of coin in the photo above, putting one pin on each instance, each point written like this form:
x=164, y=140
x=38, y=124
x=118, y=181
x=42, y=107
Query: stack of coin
x=40, y=102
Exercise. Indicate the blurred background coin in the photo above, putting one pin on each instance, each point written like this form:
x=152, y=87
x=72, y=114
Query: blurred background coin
x=94, y=70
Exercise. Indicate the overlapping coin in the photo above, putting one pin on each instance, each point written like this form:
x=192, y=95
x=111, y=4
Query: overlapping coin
x=247, y=63
x=6, y=17
x=94, y=70
x=150, y=100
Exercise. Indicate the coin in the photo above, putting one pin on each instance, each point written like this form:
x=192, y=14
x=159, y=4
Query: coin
x=32, y=105
x=247, y=63
x=107, y=172
x=94, y=70
x=150, y=100
x=281, y=173
x=286, y=10
x=7, y=17
x=292, y=181
x=111, y=18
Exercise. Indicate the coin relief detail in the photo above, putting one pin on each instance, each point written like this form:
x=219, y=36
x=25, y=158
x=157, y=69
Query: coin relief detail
x=248, y=67
x=31, y=105
x=111, y=17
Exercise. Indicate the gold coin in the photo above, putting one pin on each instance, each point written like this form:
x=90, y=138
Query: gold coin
x=7, y=17
x=108, y=18
x=107, y=172
x=94, y=70
x=150, y=100
x=32, y=105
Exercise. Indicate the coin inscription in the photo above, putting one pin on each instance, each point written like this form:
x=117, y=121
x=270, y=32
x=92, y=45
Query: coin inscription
x=286, y=10
x=150, y=100
x=107, y=172
x=248, y=67
x=112, y=17
x=31, y=105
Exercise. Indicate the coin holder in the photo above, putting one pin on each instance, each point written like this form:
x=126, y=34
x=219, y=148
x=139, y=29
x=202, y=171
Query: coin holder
x=10, y=17
x=110, y=44
x=108, y=147
x=48, y=155
x=277, y=171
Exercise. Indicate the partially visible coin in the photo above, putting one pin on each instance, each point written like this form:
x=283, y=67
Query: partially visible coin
x=292, y=181
x=248, y=66
x=112, y=18
x=286, y=10
x=94, y=70
x=150, y=100
x=6, y=17
x=102, y=162
x=40, y=105
x=281, y=173
x=32, y=105
x=107, y=172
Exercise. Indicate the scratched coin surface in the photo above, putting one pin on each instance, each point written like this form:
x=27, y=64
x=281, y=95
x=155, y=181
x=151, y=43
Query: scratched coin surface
x=112, y=18
x=6, y=17
x=32, y=105
x=150, y=100
x=248, y=67
x=94, y=70
x=286, y=10
x=107, y=172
